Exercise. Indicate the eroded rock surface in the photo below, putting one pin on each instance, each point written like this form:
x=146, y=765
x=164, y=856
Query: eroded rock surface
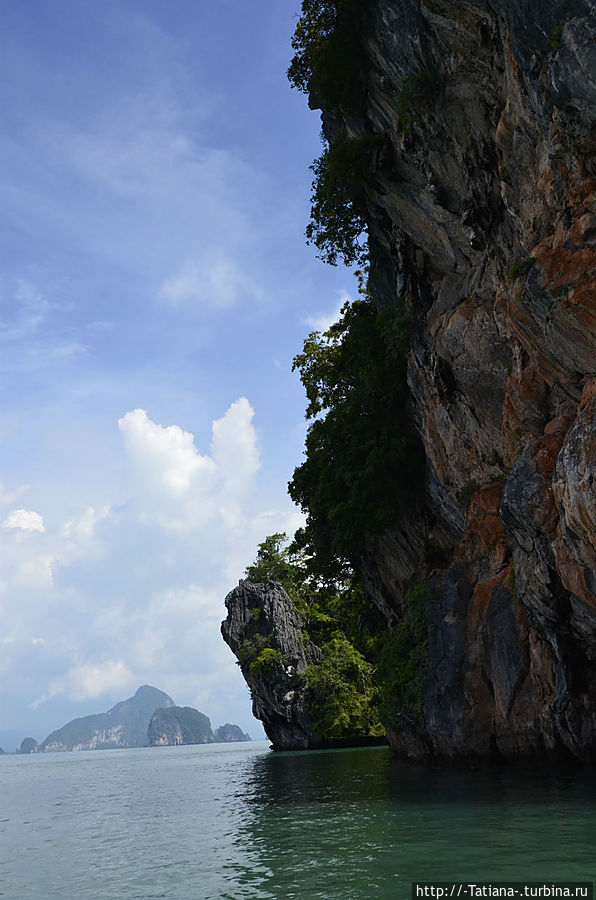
x=264, y=615
x=483, y=218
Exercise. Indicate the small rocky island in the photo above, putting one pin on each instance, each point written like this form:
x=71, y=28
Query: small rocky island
x=184, y=725
x=230, y=734
x=264, y=630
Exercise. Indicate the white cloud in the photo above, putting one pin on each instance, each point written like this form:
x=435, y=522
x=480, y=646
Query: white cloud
x=164, y=454
x=83, y=526
x=181, y=489
x=24, y=520
x=215, y=281
x=29, y=310
x=34, y=573
x=33, y=331
x=87, y=681
x=234, y=446
x=133, y=592
x=8, y=497
x=326, y=320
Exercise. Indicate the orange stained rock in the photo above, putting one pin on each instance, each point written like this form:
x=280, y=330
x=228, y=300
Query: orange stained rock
x=572, y=574
x=588, y=395
x=485, y=536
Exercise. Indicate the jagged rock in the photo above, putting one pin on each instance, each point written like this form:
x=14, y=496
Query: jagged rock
x=259, y=616
x=229, y=734
x=28, y=745
x=178, y=725
x=483, y=216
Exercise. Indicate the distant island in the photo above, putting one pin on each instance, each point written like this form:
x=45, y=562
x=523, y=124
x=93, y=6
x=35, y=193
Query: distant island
x=148, y=719
x=228, y=734
x=184, y=725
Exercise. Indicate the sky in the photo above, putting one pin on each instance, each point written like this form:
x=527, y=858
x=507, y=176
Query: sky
x=155, y=284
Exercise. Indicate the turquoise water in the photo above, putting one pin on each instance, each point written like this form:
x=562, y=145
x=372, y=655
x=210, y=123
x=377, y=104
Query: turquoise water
x=232, y=821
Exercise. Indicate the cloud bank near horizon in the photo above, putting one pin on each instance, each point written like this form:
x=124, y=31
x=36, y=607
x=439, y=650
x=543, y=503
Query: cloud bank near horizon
x=129, y=593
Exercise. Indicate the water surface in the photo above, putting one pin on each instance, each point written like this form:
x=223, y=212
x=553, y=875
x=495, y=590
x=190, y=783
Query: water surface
x=231, y=821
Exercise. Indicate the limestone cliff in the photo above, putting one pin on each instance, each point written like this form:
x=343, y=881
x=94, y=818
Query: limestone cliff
x=483, y=215
x=175, y=725
x=230, y=734
x=264, y=629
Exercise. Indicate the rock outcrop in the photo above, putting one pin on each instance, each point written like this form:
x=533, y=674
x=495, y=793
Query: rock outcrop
x=28, y=745
x=264, y=630
x=483, y=217
x=178, y=725
x=230, y=734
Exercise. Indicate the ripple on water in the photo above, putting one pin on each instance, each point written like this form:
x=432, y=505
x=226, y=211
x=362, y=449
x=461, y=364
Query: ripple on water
x=239, y=821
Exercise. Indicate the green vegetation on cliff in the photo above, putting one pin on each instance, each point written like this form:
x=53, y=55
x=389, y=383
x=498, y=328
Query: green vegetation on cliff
x=355, y=381
x=368, y=676
x=363, y=461
x=344, y=695
x=403, y=659
x=327, y=59
x=327, y=65
x=343, y=175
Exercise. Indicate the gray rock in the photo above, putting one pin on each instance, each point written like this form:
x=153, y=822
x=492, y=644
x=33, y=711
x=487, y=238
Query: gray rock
x=228, y=734
x=483, y=221
x=177, y=725
x=264, y=614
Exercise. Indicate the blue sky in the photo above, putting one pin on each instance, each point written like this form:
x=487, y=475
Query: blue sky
x=154, y=286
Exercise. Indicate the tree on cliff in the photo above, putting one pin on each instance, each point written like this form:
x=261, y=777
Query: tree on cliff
x=344, y=691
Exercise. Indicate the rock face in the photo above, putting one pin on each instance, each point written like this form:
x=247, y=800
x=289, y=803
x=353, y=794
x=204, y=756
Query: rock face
x=275, y=678
x=178, y=725
x=483, y=216
x=124, y=725
x=28, y=745
x=229, y=734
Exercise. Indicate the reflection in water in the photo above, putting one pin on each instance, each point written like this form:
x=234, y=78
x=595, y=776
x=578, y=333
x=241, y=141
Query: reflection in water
x=358, y=824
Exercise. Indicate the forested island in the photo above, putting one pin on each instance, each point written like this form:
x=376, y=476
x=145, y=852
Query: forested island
x=443, y=588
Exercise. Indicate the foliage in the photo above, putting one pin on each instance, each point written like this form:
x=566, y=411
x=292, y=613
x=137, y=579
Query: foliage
x=267, y=659
x=321, y=606
x=257, y=655
x=362, y=458
x=328, y=53
x=404, y=658
x=344, y=693
x=343, y=174
x=327, y=62
x=344, y=698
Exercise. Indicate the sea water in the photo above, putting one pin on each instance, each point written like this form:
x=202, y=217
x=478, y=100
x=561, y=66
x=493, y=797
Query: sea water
x=236, y=820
